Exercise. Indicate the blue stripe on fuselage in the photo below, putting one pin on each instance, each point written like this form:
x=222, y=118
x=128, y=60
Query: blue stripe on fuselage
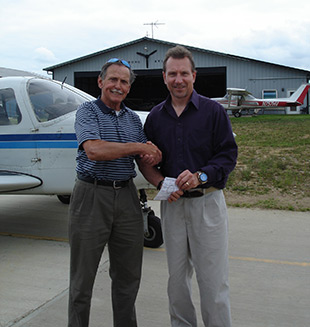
x=43, y=141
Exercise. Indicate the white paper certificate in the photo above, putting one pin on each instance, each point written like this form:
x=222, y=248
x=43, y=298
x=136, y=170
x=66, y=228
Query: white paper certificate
x=168, y=187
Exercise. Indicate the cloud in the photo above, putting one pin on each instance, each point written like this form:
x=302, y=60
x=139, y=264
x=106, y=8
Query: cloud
x=287, y=47
x=47, y=33
x=44, y=55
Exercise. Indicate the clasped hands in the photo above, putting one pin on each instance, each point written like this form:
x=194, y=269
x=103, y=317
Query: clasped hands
x=151, y=154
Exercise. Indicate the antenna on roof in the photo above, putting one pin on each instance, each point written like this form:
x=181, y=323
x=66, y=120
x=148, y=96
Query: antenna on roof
x=63, y=82
x=154, y=24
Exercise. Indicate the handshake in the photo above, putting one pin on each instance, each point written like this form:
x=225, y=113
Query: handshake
x=150, y=154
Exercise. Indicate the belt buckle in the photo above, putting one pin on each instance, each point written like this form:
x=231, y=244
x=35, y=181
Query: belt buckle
x=115, y=185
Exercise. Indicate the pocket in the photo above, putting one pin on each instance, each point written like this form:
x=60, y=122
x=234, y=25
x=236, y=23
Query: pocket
x=215, y=211
x=81, y=201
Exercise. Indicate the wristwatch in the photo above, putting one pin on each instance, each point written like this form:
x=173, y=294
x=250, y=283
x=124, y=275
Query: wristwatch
x=202, y=177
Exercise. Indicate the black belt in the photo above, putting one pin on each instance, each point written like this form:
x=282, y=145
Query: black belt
x=196, y=193
x=192, y=194
x=115, y=184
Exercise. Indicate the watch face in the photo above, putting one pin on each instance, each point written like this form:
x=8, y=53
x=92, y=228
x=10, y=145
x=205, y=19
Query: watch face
x=203, y=177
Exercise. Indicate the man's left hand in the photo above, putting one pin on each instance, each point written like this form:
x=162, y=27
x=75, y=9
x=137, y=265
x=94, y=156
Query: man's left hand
x=187, y=180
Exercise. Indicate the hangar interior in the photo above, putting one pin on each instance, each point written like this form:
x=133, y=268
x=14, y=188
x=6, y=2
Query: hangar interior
x=149, y=88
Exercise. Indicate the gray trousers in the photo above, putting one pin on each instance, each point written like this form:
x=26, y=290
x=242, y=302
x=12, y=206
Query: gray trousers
x=100, y=215
x=196, y=237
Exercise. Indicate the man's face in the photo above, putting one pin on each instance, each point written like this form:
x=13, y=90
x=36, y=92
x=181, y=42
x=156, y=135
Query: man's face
x=179, y=78
x=115, y=86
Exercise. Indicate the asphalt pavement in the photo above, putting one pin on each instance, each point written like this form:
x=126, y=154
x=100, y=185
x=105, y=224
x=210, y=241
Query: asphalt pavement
x=269, y=269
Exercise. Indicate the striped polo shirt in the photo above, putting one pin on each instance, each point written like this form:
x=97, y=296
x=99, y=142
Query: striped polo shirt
x=94, y=120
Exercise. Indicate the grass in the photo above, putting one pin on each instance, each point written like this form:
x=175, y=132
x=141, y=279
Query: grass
x=273, y=169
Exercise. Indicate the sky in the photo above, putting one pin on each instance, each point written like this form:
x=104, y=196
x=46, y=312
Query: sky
x=36, y=34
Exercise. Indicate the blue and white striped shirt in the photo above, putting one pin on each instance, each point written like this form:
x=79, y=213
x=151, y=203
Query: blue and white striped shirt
x=94, y=120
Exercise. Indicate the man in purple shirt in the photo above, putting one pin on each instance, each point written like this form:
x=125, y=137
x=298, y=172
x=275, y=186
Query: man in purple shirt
x=199, y=150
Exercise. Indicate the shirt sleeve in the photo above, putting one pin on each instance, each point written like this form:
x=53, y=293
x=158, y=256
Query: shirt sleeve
x=225, y=150
x=86, y=124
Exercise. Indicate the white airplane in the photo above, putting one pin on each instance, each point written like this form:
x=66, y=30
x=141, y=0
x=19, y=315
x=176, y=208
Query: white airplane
x=38, y=143
x=237, y=100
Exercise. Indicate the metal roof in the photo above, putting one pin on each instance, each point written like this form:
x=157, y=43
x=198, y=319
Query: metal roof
x=170, y=44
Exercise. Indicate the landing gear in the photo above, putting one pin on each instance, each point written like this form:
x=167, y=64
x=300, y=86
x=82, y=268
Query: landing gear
x=237, y=114
x=64, y=198
x=153, y=237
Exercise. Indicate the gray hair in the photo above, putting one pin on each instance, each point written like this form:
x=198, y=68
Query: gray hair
x=105, y=67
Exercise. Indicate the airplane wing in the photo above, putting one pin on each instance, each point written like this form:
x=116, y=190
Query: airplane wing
x=13, y=181
x=234, y=98
x=234, y=91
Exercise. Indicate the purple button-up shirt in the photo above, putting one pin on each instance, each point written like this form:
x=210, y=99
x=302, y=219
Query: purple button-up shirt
x=201, y=138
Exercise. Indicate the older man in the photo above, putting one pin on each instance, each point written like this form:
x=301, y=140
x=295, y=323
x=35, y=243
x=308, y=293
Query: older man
x=105, y=208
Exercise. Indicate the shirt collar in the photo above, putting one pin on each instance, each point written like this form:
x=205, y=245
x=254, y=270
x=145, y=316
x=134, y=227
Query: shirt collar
x=105, y=109
x=194, y=100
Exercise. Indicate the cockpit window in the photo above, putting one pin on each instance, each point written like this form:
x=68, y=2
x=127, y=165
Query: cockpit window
x=51, y=100
x=9, y=110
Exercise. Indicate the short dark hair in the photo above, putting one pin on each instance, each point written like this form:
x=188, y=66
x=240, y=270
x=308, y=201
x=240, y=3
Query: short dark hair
x=105, y=67
x=179, y=52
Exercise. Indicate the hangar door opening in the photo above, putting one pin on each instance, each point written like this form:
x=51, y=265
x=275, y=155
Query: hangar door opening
x=149, y=88
x=211, y=82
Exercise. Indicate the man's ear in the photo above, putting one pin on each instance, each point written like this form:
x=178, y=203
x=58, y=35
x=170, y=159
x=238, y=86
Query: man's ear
x=100, y=82
x=194, y=76
x=164, y=77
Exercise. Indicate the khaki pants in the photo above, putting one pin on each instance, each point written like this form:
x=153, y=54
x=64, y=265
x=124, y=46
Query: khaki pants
x=100, y=215
x=196, y=237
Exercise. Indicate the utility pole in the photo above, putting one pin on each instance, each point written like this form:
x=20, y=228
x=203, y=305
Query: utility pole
x=154, y=24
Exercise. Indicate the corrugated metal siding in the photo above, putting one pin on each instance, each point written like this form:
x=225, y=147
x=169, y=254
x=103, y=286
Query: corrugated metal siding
x=255, y=76
x=130, y=54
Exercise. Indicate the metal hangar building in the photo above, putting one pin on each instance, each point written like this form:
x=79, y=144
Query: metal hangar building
x=215, y=72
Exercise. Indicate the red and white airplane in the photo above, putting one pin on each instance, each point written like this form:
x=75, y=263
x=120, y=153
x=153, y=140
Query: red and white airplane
x=237, y=100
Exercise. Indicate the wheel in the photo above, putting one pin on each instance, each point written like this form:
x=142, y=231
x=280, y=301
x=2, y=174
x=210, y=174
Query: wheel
x=237, y=114
x=154, y=239
x=64, y=198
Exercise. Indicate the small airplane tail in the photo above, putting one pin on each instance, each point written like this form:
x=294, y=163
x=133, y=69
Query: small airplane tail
x=299, y=95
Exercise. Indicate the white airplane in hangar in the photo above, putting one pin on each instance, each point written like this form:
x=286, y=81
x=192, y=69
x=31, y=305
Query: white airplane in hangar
x=238, y=100
x=38, y=143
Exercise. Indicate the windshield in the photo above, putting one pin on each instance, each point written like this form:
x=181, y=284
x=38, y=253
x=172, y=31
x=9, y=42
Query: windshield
x=51, y=100
x=9, y=110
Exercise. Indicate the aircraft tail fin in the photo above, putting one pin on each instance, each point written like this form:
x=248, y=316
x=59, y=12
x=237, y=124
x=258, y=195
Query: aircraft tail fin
x=299, y=95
